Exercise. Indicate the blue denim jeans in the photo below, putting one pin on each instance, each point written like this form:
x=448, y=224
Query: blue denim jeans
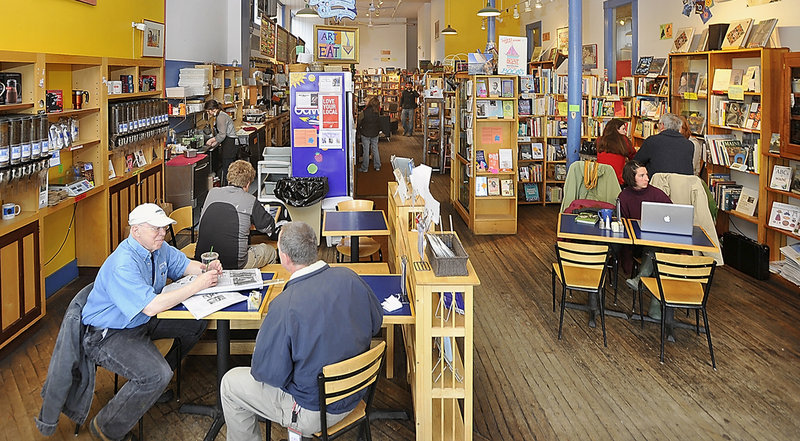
x=407, y=119
x=368, y=144
x=132, y=354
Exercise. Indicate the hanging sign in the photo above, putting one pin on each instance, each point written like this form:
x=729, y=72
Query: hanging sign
x=336, y=44
x=335, y=9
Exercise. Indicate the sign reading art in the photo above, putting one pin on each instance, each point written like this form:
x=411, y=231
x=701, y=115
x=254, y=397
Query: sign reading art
x=335, y=9
x=336, y=44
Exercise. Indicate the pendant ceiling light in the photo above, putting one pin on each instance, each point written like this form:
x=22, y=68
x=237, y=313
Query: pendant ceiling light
x=516, y=12
x=488, y=11
x=449, y=31
x=306, y=12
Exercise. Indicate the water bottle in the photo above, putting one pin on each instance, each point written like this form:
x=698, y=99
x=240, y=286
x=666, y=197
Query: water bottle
x=618, y=211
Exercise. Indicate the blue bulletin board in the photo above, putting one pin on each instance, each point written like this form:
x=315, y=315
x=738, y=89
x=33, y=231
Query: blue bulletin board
x=320, y=128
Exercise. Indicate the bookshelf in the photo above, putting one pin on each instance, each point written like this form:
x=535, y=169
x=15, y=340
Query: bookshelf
x=485, y=194
x=649, y=104
x=433, y=114
x=531, y=109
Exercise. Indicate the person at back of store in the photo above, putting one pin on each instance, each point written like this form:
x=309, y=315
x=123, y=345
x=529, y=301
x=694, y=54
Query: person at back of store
x=408, y=101
x=668, y=151
x=224, y=138
x=225, y=221
x=614, y=148
x=369, y=126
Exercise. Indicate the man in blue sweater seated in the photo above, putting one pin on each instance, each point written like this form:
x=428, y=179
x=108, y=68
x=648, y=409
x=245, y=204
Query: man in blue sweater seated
x=323, y=316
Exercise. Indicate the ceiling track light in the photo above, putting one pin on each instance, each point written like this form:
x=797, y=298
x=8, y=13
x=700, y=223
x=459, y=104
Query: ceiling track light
x=538, y=4
x=488, y=11
x=516, y=12
x=527, y=5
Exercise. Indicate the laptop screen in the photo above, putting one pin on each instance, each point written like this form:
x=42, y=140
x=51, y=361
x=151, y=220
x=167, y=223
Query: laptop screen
x=660, y=217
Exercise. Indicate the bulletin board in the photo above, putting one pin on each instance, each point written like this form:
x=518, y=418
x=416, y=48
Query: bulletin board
x=282, y=45
x=336, y=44
x=268, y=29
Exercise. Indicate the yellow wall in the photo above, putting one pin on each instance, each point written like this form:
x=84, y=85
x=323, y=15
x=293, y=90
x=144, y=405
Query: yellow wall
x=470, y=36
x=75, y=28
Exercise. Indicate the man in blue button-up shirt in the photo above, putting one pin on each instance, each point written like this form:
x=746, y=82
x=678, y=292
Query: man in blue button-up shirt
x=120, y=318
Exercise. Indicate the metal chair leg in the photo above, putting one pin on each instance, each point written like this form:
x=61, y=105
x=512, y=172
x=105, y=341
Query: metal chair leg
x=553, y=285
x=663, y=329
x=178, y=368
x=563, y=304
x=641, y=309
x=708, y=336
x=602, y=295
x=696, y=322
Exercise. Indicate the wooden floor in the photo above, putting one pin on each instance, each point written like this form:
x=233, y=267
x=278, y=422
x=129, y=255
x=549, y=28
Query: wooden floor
x=528, y=384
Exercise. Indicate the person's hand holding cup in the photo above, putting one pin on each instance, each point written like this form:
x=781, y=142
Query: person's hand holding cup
x=208, y=258
x=207, y=279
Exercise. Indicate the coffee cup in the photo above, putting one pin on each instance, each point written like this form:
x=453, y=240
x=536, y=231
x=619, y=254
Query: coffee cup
x=206, y=258
x=10, y=210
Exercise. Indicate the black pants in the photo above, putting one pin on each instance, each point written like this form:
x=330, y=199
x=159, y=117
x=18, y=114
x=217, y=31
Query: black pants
x=228, y=149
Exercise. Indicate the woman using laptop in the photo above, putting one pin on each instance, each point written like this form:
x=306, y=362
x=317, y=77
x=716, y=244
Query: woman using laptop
x=638, y=190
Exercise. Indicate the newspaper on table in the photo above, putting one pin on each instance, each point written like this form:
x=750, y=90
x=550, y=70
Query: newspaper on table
x=201, y=305
x=230, y=280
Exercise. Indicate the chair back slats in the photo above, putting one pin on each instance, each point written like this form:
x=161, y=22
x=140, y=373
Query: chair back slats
x=355, y=205
x=581, y=255
x=684, y=267
x=347, y=377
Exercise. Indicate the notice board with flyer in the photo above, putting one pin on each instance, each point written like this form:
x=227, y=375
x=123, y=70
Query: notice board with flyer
x=320, y=126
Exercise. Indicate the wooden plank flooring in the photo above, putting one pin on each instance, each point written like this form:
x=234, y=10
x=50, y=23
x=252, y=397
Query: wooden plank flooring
x=528, y=384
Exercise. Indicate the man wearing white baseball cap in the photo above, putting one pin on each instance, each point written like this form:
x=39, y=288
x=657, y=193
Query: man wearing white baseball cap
x=120, y=318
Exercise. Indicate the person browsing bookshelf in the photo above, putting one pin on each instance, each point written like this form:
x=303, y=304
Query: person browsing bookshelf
x=614, y=148
x=668, y=151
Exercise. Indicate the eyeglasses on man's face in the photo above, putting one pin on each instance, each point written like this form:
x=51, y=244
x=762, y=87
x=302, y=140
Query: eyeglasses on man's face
x=155, y=229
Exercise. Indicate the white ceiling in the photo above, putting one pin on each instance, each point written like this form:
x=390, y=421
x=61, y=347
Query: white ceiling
x=389, y=9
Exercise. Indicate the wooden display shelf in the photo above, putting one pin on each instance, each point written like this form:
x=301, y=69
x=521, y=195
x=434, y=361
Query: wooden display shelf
x=782, y=192
x=746, y=217
x=492, y=198
x=135, y=171
x=453, y=327
x=72, y=112
x=125, y=96
x=12, y=107
x=741, y=129
x=68, y=202
x=20, y=220
x=448, y=422
x=786, y=233
x=447, y=386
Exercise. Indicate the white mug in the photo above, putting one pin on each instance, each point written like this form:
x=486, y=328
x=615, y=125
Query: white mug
x=10, y=210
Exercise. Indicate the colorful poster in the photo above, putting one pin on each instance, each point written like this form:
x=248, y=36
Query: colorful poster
x=305, y=138
x=336, y=44
x=511, y=55
x=330, y=139
x=267, y=48
x=330, y=111
x=491, y=135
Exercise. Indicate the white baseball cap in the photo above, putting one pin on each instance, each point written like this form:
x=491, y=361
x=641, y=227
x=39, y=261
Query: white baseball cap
x=149, y=214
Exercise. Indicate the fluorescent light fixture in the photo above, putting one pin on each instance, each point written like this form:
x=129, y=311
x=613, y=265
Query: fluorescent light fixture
x=488, y=11
x=449, y=31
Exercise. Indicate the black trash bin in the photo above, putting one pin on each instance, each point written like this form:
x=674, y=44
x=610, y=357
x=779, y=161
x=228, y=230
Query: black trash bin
x=303, y=199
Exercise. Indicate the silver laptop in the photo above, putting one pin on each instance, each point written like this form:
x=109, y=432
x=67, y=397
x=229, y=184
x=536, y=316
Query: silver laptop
x=659, y=217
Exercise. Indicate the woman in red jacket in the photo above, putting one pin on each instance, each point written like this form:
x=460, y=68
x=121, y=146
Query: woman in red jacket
x=614, y=148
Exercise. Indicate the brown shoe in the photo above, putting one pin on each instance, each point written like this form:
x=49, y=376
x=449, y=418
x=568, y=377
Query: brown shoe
x=95, y=431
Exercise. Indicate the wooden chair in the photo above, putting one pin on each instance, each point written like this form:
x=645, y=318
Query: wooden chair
x=367, y=246
x=183, y=220
x=681, y=282
x=340, y=380
x=580, y=267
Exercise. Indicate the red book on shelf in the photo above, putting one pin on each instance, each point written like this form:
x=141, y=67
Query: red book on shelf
x=494, y=162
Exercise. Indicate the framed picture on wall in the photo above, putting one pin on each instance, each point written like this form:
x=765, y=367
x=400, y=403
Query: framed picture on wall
x=589, y=56
x=336, y=44
x=153, y=39
x=562, y=40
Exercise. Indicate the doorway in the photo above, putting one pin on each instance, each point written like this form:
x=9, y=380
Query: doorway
x=621, y=37
x=534, y=33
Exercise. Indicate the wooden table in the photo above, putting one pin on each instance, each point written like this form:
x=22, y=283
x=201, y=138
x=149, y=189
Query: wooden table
x=569, y=229
x=238, y=311
x=354, y=224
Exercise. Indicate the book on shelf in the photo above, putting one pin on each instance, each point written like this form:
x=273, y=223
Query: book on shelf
x=753, y=119
x=481, y=186
x=506, y=160
x=537, y=150
x=531, y=192
x=494, y=109
x=775, y=143
x=781, y=177
x=643, y=67
x=736, y=36
x=702, y=84
x=526, y=84
x=696, y=121
x=508, y=110
x=481, y=109
x=494, y=87
x=525, y=152
x=480, y=160
x=703, y=45
x=736, y=77
x=784, y=216
x=587, y=218
x=721, y=81
x=493, y=186
x=554, y=193
x=481, y=89
x=748, y=201
x=507, y=187
x=493, y=160
x=752, y=79
x=683, y=38
x=735, y=114
x=524, y=107
x=761, y=33
x=795, y=187
x=524, y=174
x=657, y=66
x=716, y=35
x=507, y=87
x=522, y=129
x=688, y=82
